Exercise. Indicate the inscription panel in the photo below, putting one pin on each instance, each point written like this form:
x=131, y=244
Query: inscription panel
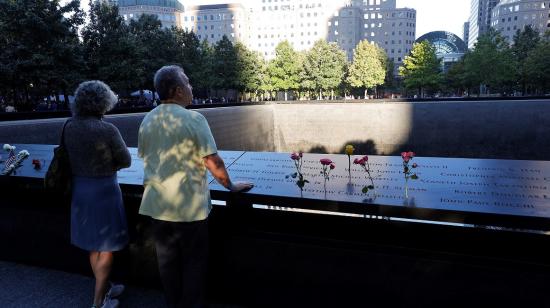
x=129, y=176
x=467, y=185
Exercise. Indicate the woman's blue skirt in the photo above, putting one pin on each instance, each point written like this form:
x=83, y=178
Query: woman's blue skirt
x=98, y=219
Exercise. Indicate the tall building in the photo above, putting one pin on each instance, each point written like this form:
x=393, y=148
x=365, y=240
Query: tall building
x=212, y=22
x=378, y=21
x=168, y=11
x=301, y=22
x=265, y=23
x=466, y=32
x=512, y=15
x=480, y=19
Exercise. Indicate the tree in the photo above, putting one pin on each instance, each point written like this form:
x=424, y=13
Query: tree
x=324, y=67
x=40, y=52
x=524, y=42
x=188, y=53
x=147, y=35
x=225, y=64
x=285, y=68
x=202, y=76
x=368, y=69
x=249, y=65
x=111, y=54
x=490, y=63
x=537, y=66
x=421, y=69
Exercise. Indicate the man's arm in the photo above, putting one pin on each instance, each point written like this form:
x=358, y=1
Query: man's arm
x=214, y=163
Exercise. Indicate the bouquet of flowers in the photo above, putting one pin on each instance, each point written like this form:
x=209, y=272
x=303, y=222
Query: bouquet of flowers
x=13, y=161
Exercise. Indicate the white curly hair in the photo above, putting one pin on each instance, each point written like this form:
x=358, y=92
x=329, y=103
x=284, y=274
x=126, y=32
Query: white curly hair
x=93, y=98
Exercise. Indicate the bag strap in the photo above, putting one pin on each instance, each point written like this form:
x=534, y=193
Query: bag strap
x=62, y=143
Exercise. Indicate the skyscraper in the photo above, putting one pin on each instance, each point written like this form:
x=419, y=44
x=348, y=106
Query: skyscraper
x=480, y=19
x=466, y=32
x=509, y=16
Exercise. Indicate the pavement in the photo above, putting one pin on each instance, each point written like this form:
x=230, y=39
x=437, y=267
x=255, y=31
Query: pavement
x=23, y=286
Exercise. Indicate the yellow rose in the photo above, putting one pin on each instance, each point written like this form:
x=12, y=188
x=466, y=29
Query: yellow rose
x=349, y=149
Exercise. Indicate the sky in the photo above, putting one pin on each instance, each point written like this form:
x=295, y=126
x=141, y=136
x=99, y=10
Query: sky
x=432, y=15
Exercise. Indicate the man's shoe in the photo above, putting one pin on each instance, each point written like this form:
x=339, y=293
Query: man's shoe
x=115, y=290
x=110, y=303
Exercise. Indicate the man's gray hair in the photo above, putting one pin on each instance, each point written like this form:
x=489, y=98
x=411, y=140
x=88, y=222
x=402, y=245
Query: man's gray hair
x=93, y=98
x=167, y=79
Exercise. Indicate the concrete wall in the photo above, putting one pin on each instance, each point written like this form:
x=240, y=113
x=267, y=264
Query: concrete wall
x=489, y=129
x=492, y=129
x=234, y=128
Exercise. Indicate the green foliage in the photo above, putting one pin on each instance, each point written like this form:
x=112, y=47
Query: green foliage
x=40, y=49
x=284, y=70
x=225, y=64
x=537, y=67
x=249, y=64
x=491, y=63
x=368, y=69
x=524, y=42
x=147, y=35
x=110, y=51
x=324, y=66
x=421, y=69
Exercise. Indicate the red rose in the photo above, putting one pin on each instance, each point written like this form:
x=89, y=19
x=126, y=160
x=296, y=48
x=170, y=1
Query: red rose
x=325, y=161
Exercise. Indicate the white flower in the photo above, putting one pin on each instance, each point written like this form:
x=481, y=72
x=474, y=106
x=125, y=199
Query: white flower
x=24, y=153
x=12, y=166
x=7, y=147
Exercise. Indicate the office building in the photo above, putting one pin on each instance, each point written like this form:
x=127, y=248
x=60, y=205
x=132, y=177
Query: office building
x=264, y=24
x=480, y=19
x=167, y=11
x=212, y=22
x=466, y=33
x=509, y=16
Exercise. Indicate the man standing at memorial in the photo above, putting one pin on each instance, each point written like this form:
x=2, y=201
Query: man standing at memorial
x=177, y=147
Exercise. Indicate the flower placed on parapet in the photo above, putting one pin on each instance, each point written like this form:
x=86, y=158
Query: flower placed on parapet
x=407, y=157
x=349, y=152
x=364, y=163
x=297, y=159
x=328, y=165
x=37, y=164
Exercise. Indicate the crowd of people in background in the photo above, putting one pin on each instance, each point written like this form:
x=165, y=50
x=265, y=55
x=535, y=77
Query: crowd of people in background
x=52, y=105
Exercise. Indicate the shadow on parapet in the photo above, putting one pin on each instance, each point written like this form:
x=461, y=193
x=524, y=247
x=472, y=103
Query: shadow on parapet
x=367, y=147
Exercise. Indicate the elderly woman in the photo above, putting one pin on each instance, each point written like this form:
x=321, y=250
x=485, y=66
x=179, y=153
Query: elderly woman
x=96, y=152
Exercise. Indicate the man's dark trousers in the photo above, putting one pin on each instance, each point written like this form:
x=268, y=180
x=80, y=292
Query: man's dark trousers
x=182, y=254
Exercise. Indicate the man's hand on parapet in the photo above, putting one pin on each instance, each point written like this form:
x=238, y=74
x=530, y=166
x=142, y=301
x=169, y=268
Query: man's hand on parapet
x=240, y=186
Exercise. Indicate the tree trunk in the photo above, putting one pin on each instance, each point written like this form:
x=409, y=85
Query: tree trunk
x=320, y=95
x=286, y=95
x=366, y=93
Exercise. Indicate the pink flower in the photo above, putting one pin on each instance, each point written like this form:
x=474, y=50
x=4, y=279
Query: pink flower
x=332, y=166
x=361, y=161
x=407, y=156
x=414, y=165
x=325, y=161
x=295, y=156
